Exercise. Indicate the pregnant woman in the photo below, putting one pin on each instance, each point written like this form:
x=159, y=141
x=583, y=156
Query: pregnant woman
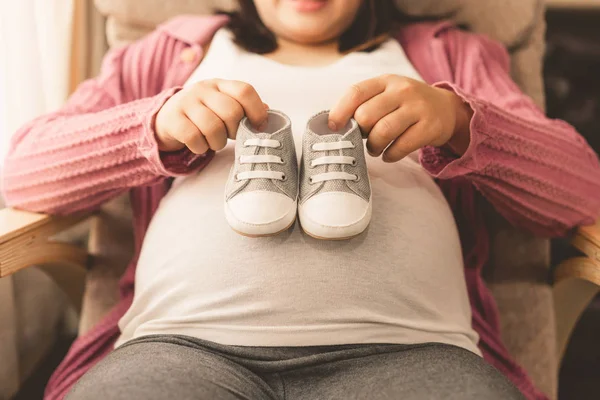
x=384, y=315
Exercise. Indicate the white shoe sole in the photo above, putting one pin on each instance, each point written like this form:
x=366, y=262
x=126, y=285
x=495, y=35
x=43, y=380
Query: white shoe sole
x=262, y=230
x=323, y=232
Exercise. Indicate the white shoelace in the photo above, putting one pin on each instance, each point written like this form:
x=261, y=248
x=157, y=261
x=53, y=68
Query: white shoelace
x=261, y=159
x=333, y=160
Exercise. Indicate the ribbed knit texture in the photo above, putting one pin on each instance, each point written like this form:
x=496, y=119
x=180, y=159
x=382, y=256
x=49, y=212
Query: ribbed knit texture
x=101, y=143
x=538, y=173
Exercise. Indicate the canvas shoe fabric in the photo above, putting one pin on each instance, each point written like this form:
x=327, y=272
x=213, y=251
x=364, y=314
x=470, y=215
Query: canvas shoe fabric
x=261, y=195
x=335, y=191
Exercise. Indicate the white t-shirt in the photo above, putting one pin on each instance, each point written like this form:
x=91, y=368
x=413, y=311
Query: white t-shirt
x=402, y=281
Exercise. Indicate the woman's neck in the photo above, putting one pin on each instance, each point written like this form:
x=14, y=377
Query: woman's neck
x=293, y=53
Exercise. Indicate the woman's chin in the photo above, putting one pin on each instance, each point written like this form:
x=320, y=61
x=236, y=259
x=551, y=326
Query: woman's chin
x=307, y=36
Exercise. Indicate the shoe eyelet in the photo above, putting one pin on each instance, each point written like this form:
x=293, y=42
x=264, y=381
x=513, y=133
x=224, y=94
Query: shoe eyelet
x=311, y=180
x=236, y=178
x=280, y=146
x=284, y=178
x=282, y=161
x=354, y=163
x=356, y=178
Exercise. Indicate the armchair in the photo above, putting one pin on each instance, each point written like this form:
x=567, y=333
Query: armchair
x=536, y=335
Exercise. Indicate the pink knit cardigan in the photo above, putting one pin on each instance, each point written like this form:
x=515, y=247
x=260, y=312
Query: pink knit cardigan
x=538, y=173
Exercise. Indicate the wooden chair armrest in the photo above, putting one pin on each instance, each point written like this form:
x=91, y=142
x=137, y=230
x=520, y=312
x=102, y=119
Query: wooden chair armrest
x=26, y=239
x=15, y=222
x=576, y=283
x=587, y=240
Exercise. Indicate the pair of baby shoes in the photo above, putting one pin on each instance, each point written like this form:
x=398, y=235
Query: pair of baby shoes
x=330, y=191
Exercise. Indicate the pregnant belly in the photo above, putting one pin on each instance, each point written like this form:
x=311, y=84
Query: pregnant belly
x=405, y=270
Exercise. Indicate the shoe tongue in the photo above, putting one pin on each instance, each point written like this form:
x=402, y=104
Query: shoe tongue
x=327, y=138
x=335, y=136
x=265, y=135
x=319, y=132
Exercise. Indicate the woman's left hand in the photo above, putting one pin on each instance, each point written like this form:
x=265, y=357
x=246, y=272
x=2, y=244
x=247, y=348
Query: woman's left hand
x=401, y=115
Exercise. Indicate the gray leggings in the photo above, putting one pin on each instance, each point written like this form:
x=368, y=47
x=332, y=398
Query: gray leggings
x=181, y=367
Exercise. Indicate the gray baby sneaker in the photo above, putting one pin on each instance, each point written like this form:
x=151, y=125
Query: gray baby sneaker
x=335, y=191
x=262, y=190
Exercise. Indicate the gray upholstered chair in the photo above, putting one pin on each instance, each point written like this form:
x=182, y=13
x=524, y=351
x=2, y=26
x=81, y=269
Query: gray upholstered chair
x=537, y=313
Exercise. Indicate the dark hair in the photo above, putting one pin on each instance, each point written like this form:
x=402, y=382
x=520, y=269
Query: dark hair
x=373, y=23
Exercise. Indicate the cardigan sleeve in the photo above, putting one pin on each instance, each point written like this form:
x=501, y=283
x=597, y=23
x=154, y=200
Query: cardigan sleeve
x=101, y=142
x=539, y=173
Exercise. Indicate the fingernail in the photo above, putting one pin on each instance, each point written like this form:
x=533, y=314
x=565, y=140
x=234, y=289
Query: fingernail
x=332, y=126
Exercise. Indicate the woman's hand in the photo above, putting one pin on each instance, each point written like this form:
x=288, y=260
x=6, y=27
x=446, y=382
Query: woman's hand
x=204, y=115
x=401, y=115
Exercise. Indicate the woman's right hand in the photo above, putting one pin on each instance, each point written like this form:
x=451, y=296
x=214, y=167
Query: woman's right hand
x=204, y=115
